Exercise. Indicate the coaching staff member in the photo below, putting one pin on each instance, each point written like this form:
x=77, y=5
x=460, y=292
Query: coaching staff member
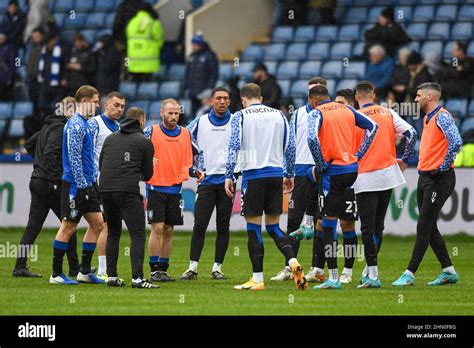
x=125, y=160
x=45, y=186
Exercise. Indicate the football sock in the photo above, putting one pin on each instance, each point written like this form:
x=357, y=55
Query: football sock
x=255, y=246
x=373, y=272
x=308, y=221
x=257, y=277
x=281, y=240
x=319, y=258
x=163, y=264
x=102, y=265
x=365, y=272
x=347, y=271
x=319, y=271
x=193, y=266
x=87, y=252
x=154, y=263
x=410, y=273
x=59, y=249
x=216, y=267
x=449, y=270
x=377, y=239
x=330, y=242
x=350, y=248
x=333, y=275
x=292, y=261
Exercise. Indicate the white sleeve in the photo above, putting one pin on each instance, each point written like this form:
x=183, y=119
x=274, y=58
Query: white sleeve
x=401, y=126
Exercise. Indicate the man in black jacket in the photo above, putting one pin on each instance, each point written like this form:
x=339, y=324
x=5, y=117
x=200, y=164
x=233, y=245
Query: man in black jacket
x=271, y=91
x=125, y=160
x=45, y=186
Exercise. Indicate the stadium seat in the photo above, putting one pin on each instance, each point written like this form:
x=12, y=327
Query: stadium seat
x=446, y=13
x=95, y=20
x=461, y=31
x=319, y=50
x=154, y=110
x=432, y=46
x=271, y=67
x=50, y=4
x=148, y=90
x=6, y=110
x=64, y=5
x=374, y=14
x=341, y=50
x=326, y=33
x=253, y=53
x=466, y=13
x=288, y=70
x=403, y=14
x=310, y=69
x=448, y=47
x=244, y=70
x=128, y=89
x=467, y=125
x=332, y=69
x=109, y=20
x=470, y=111
x=103, y=32
x=356, y=15
x=22, y=109
x=423, y=13
x=304, y=33
x=59, y=19
x=358, y=49
x=225, y=71
x=417, y=31
x=457, y=107
x=349, y=32
x=282, y=34
x=16, y=129
x=75, y=22
x=346, y=83
x=169, y=89
x=428, y=2
x=186, y=106
x=299, y=89
x=407, y=2
x=275, y=51
x=84, y=5
x=331, y=87
x=104, y=5
x=285, y=87
x=3, y=125
x=296, y=51
x=176, y=72
x=142, y=104
x=355, y=70
x=438, y=31
x=470, y=49
x=89, y=34
x=413, y=46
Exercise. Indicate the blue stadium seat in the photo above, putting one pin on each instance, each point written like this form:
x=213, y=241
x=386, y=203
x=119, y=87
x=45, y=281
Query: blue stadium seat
x=470, y=49
x=253, y=53
x=341, y=50
x=176, y=71
x=160, y=74
x=461, y=31
x=471, y=108
x=50, y=4
x=271, y=67
x=349, y=32
x=95, y=20
x=84, y=5
x=244, y=70
x=326, y=33
x=285, y=87
x=346, y=83
x=275, y=51
x=142, y=104
x=304, y=33
x=6, y=110
x=374, y=14
x=466, y=13
x=89, y=34
x=109, y=20
x=3, y=125
x=186, y=106
x=103, y=32
x=448, y=47
x=358, y=49
x=403, y=14
x=296, y=51
x=225, y=71
x=75, y=22
x=169, y=89
x=331, y=87
x=128, y=89
x=148, y=90
x=16, y=129
x=467, y=124
x=154, y=110
x=355, y=70
x=438, y=31
x=413, y=46
x=356, y=15
x=310, y=69
x=282, y=34
x=59, y=19
x=299, y=89
x=446, y=13
x=332, y=69
x=407, y=2
x=319, y=50
x=64, y=5
x=428, y=2
x=423, y=13
x=105, y=5
x=417, y=31
x=432, y=46
x=457, y=107
x=22, y=109
x=288, y=70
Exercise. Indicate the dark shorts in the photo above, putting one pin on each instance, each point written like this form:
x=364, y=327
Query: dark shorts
x=264, y=195
x=164, y=207
x=337, y=198
x=73, y=209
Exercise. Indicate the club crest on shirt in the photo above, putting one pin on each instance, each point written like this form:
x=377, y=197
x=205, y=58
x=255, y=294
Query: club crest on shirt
x=150, y=214
x=73, y=214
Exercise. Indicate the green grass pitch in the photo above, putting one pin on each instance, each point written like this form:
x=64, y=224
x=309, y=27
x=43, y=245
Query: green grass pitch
x=207, y=297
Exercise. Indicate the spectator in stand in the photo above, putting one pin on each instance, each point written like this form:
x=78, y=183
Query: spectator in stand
x=400, y=77
x=435, y=66
x=81, y=66
x=459, y=74
x=50, y=76
x=205, y=98
x=13, y=24
x=387, y=33
x=37, y=17
x=325, y=9
x=293, y=12
x=32, y=62
x=418, y=74
x=108, y=65
x=202, y=71
x=379, y=70
x=270, y=89
x=234, y=93
x=7, y=68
